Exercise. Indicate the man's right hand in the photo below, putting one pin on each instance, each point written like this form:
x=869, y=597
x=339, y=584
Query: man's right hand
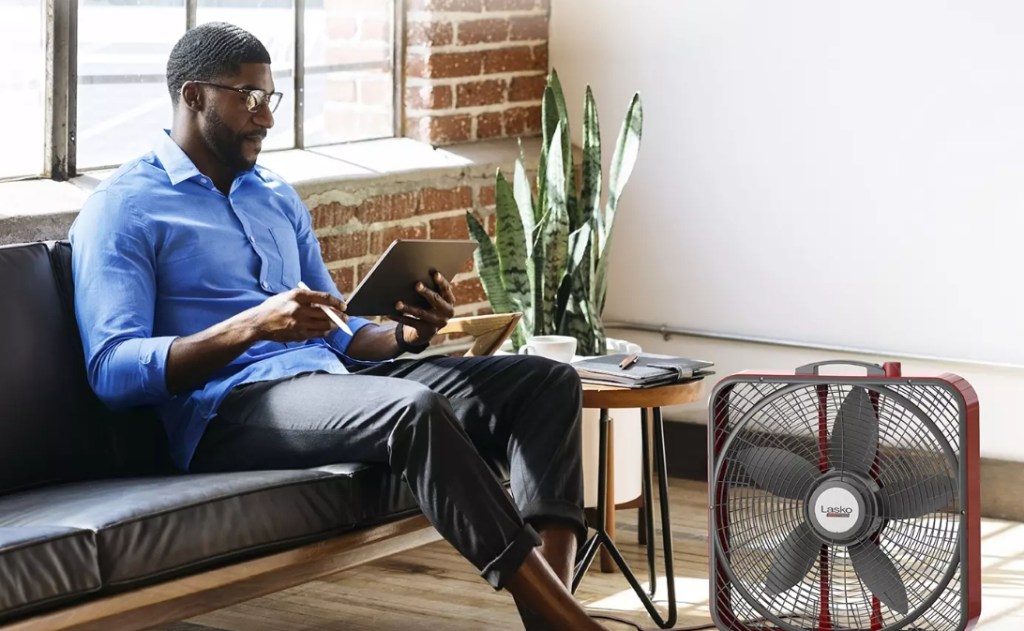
x=294, y=316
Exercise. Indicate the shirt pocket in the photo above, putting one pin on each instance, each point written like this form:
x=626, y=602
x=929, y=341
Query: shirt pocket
x=288, y=272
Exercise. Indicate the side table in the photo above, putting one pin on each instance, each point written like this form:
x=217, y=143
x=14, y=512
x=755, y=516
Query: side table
x=608, y=397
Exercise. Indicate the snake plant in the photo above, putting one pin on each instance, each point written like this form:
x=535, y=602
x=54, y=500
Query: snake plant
x=549, y=259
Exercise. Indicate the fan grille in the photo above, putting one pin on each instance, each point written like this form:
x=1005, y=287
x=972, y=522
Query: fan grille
x=919, y=438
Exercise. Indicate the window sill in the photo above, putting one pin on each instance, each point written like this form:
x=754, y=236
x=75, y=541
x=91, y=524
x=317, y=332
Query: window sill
x=44, y=209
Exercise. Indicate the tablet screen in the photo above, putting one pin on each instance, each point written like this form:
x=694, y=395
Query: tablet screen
x=395, y=274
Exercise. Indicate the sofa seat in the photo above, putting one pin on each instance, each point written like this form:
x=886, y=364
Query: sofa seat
x=144, y=529
x=45, y=564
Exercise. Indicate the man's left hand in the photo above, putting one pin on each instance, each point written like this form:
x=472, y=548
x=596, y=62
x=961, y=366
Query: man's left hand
x=422, y=324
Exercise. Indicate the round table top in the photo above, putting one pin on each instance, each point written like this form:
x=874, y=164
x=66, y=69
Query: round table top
x=603, y=396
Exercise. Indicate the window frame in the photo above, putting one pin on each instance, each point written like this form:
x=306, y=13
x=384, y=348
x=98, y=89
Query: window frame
x=61, y=107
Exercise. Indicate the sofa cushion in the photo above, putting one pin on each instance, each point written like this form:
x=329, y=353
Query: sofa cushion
x=151, y=528
x=42, y=565
x=49, y=417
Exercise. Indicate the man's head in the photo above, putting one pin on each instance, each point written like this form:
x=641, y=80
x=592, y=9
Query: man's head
x=220, y=74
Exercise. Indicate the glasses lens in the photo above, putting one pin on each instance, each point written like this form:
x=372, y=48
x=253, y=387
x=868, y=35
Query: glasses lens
x=255, y=99
x=274, y=99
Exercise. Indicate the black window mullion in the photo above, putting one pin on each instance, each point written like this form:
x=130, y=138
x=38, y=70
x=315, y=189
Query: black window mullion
x=299, y=84
x=61, y=86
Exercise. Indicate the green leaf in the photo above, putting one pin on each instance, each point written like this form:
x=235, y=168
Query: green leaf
x=487, y=265
x=534, y=250
x=578, y=261
x=590, y=195
x=556, y=228
x=512, y=249
x=571, y=204
x=623, y=159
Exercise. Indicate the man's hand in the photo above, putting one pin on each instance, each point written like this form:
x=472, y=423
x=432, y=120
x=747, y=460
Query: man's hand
x=294, y=316
x=422, y=324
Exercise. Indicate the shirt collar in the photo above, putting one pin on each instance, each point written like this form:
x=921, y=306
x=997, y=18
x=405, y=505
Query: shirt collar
x=178, y=165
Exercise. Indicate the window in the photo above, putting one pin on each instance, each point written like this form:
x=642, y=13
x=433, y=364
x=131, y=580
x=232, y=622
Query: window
x=343, y=89
x=22, y=87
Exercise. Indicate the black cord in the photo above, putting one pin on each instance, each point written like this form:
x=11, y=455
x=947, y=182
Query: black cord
x=699, y=627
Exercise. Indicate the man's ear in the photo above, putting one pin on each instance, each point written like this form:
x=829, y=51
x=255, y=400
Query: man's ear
x=191, y=96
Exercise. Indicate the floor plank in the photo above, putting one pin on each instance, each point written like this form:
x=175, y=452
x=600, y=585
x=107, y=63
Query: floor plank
x=434, y=589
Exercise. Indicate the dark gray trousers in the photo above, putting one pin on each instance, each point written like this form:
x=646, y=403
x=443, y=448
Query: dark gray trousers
x=443, y=423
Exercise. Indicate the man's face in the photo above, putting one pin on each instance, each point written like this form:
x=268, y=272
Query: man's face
x=233, y=133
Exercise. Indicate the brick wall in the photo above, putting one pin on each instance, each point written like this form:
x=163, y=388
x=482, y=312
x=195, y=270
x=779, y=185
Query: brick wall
x=475, y=69
x=355, y=222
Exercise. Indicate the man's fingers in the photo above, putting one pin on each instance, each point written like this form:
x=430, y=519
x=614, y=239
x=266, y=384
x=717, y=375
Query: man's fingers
x=310, y=297
x=444, y=288
x=442, y=307
x=429, y=316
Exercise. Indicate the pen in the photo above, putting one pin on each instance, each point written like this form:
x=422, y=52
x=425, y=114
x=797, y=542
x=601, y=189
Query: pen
x=330, y=313
x=629, y=360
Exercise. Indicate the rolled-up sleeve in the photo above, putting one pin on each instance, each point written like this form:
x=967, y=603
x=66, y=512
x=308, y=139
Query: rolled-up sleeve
x=314, y=273
x=115, y=297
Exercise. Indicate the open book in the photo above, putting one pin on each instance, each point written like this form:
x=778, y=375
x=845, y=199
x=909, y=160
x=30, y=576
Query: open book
x=647, y=371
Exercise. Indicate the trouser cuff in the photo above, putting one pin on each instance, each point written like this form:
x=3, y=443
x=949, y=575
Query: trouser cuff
x=560, y=512
x=505, y=565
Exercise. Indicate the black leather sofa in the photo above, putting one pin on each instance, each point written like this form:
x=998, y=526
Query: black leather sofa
x=95, y=524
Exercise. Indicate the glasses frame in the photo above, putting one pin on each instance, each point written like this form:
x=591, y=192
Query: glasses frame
x=255, y=98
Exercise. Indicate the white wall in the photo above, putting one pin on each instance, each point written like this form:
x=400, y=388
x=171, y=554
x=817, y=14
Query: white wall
x=840, y=173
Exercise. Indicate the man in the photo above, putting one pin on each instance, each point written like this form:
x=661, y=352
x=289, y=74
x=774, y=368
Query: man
x=187, y=263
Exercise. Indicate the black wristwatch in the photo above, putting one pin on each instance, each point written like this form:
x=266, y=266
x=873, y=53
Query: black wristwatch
x=406, y=347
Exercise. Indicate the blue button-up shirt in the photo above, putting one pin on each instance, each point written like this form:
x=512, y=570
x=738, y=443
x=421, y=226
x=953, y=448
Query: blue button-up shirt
x=158, y=252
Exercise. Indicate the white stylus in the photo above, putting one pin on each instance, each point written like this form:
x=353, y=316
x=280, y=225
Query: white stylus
x=330, y=312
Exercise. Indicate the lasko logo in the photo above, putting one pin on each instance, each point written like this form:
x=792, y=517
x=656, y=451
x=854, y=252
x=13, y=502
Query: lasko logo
x=837, y=511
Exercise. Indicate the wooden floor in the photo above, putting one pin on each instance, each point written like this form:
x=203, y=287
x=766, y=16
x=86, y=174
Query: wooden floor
x=434, y=589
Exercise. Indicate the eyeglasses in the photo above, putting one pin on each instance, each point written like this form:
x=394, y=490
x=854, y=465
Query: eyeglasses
x=254, y=99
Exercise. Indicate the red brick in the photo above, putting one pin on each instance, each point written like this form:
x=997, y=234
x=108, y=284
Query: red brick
x=341, y=27
x=333, y=214
x=471, y=6
x=363, y=269
x=344, y=246
x=430, y=33
x=349, y=7
x=522, y=120
x=388, y=207
x=468, y=266
x=375, y=29
x=429, y=97
x=515, y=59
x=437, y=200
x=341, y=90
x=351, y=54
x=483, y=31
x=375, y=90
x=480, y=93
x=344, y=279
x=484, y=311
x=489, y=125
x=469, y=291
x=486, y=196
x=449, y=228
x=380, y=240
x=510, y=5
x=439, y=130
x=444, y=65
x=527, y=88
x=532, y=27
x=540, y=57
x=491, y=224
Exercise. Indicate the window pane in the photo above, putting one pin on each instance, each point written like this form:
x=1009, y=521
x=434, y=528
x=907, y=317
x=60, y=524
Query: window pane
x=349, y=71
x=122, y=85
x=22, y=44
x=273, y=23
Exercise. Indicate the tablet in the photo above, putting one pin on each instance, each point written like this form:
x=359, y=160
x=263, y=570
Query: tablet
x=393, y=277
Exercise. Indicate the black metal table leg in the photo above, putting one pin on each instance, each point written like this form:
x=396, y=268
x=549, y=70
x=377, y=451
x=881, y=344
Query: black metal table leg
x=601, y=537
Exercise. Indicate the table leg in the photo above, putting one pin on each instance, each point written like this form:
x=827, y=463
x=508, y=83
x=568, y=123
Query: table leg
x=607, y=564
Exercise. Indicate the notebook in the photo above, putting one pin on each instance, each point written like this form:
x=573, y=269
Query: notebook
x=648, y=371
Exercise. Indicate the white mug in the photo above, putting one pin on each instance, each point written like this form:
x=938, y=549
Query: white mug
x=560, y=348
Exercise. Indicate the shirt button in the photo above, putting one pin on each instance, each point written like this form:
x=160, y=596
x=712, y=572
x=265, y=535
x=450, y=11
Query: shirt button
x=252, y=239
x=265, y=285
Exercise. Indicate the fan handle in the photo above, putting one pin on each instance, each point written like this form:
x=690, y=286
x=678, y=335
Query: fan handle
x=874, y=370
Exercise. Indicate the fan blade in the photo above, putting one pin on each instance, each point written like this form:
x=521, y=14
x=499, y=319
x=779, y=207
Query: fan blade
x=854, y=439
x=793, y=559
x=778, y=471
x=914, y=497
x=880, y=576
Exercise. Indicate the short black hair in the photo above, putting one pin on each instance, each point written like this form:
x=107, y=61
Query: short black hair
x=210, y=51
